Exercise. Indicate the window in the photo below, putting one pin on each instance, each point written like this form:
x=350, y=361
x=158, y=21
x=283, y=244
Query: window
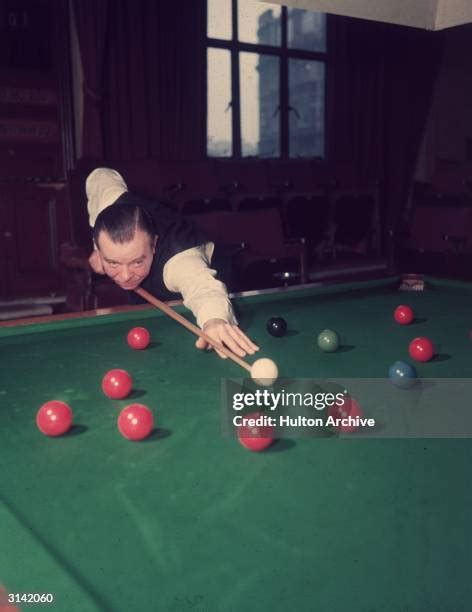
x=266, y=75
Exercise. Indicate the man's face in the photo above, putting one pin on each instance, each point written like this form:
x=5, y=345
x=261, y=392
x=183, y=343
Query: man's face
x=127, y=263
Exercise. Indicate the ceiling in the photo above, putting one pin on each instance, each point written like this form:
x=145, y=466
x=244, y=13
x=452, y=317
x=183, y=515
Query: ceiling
x=426, y=14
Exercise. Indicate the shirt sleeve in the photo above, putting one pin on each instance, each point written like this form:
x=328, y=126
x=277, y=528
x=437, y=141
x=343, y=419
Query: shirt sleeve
x=189, y=273
x=103, y=187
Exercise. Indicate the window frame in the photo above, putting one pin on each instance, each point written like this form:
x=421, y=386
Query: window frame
x=284, y=53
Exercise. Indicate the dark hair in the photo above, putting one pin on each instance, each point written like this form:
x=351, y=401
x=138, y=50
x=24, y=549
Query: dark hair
x=121, y=220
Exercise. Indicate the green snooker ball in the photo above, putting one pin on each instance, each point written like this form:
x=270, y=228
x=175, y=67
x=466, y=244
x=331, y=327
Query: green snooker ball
x=328, y=341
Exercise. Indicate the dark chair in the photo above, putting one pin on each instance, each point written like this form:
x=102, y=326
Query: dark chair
x=267, y=258
x=256, y=247
x=308, y=217
x=354, y=221
x=193, y=207
x=259, y=203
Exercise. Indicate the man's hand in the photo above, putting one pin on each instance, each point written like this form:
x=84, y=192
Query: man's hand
x=228, y=335
x=95, y=262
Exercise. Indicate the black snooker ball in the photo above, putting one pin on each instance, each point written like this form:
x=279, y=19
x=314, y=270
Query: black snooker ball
x=276, y=326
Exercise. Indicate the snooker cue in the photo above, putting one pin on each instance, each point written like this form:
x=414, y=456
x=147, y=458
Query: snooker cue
x=190, y=326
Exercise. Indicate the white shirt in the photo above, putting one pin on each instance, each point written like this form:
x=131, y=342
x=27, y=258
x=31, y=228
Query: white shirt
x=187, y=273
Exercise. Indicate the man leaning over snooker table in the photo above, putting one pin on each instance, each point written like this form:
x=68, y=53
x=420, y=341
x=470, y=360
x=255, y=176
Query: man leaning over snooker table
x=142, y=243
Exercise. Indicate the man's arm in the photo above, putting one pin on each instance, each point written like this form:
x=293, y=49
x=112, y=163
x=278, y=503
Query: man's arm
x=189, y=273
x=103, y=187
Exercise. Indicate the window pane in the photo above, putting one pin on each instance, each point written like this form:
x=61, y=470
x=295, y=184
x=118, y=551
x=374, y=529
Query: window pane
x=259, y=22
x=259, y=85
x=306, y=30
x=219, y=111
x=219, y=19
x=306, y=100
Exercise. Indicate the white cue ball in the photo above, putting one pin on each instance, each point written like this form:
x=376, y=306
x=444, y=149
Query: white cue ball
x=264, y=371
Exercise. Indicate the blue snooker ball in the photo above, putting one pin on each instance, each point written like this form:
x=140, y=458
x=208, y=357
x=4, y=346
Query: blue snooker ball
x=402, y=374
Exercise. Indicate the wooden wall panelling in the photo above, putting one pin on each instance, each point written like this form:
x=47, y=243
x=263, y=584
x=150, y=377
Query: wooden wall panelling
x=35, y=222
x=35, y=97
x=30, y=131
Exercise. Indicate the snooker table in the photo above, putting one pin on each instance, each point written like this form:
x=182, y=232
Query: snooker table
x=190, y=520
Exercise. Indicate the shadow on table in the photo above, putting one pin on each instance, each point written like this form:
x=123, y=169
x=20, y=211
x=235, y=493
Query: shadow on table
x=77, y=430
x=136, y=394
x=158, y=434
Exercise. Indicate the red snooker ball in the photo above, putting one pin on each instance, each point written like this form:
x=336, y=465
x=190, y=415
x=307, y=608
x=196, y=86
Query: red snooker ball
x=117, y=384
x=54, y=418
x=255, y=434
x=138, y=338
x=421, y=349
x=350, y=408
x=403, y=314
x=135, y=422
